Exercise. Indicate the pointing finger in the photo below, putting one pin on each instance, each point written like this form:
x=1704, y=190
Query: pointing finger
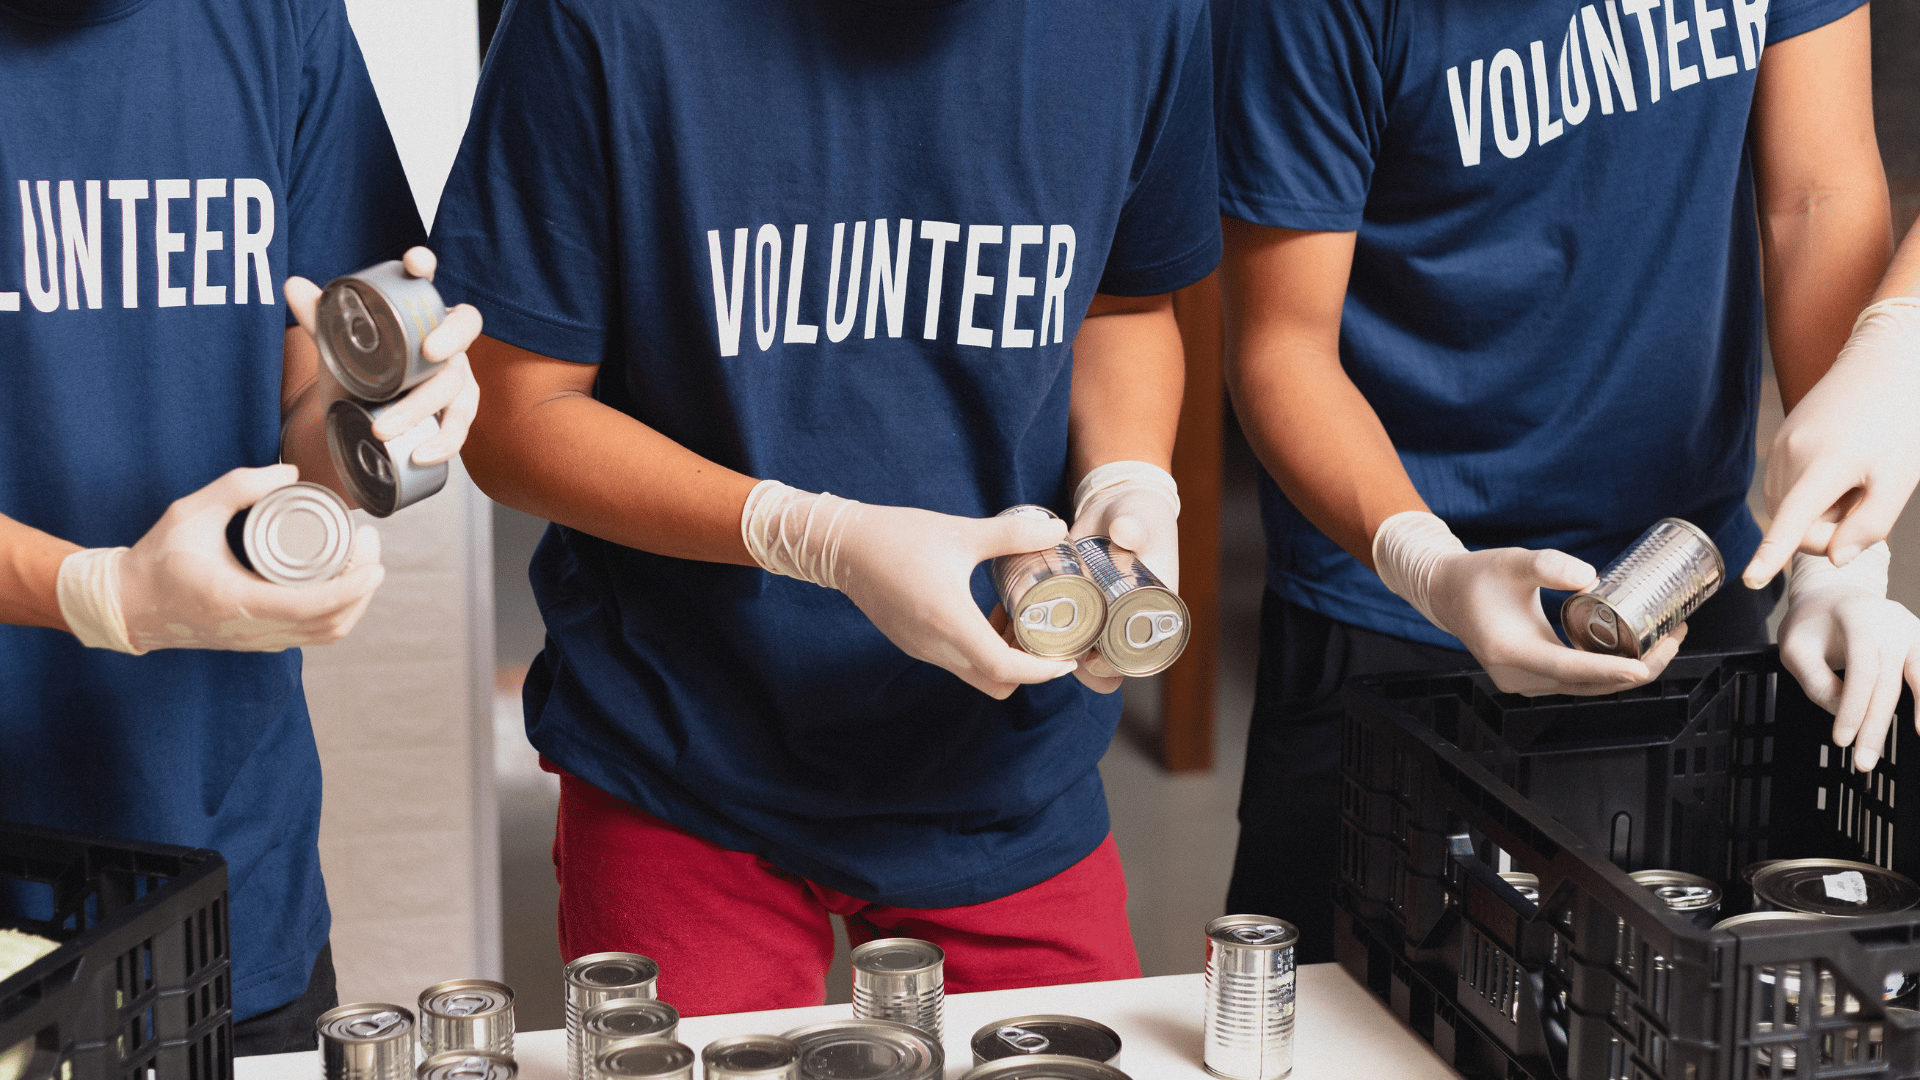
x=1798, y=512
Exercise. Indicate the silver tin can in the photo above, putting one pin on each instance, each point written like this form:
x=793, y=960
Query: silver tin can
x=300, y=534
x=1055, y=609
x=644, y=1059
x=751, y=1057
x=867, y=1050
x=626, y=1018
x=369, y=327
x=367, y=1041
x=1525, y=884
x=597, y=978
x=1249, y=997
x=1833, y=887
x=903, y=980
x=1752, y=919
x=381, y=476
x=466, y=1014
x=1045, y=1067
x=1645, y=593
x=1147, y=625
x=1690, y=895
x=1046, y=1033
x=468, y=1064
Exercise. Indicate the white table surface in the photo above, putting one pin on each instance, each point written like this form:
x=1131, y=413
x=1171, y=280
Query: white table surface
x=1340, y=1030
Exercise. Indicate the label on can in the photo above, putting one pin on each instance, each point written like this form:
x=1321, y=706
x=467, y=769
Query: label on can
x=1848, y=886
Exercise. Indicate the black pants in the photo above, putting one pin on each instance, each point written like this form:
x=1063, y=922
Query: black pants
x=1288, y=855
x=290, y=1027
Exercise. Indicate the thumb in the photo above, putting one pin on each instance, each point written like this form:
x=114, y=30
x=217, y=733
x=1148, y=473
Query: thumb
x=1559, y=570
x=303, y=299
x=241, y=488
x=1019, y=535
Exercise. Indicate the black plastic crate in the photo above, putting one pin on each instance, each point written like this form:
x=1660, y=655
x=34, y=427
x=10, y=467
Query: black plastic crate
x=140, y=987
x=1722, y=762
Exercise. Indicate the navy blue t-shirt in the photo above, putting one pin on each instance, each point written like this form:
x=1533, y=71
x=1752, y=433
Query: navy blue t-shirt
x=847, y=246
x=1555, y=303
x=165, y=164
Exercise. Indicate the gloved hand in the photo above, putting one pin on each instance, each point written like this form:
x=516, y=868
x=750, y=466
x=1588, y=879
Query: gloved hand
x=451, y=394
x=1137, y=505
x=1848, y=456
x=1490, y=600
x=1839, y=618
x=180, y=586
x=907, y=570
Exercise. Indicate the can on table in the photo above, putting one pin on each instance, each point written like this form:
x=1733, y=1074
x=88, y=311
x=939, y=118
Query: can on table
x=1645, y=593
x=626, y=1018
x=1045, y=1067
x=1833, y=887
x=300, y=534
x=367, y=1041
x=597, y=978
x=1147, y=625
x=468, y=1064
x=1047, y=1034
x=1691, y=895
x=1527, y=885
x=381, y=476
x=645, y=1058
x=1055, y=609
x=369, y=326
x=867, y=1050
x=751, y=1057
x=1249, y=997
x=903, y=980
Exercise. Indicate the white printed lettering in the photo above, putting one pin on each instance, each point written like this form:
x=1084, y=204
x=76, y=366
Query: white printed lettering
x=48, y=298
x=128, y=194
x=766, y=286
x=165, y=242
x=1609, y=58
x=888, y=281
x=1018, y=285
x=1053, y=309
x=1643, y=10
x=941, y=233
x=798, y=333
x=1542, y=89
x=837, y=329
x=80, y=244
x=1678, y=75
x=9, y=301
x=206, y=241
x=726, y=302
x=1750, y=26
x=1708, y=20
x=1466, y=117
x=974, y=285
x=1512, y=144
x=250, y=245
x=1574, y=113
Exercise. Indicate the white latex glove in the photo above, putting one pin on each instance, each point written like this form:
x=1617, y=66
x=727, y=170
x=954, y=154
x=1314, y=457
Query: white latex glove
x=180, y=586
x=1848, y=456
x=907, y=570
x=451, y=395
x=1137, y=506
x=1490, y=600
x=1839, y=619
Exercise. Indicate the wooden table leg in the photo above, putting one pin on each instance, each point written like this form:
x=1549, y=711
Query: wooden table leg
x=1187, y=688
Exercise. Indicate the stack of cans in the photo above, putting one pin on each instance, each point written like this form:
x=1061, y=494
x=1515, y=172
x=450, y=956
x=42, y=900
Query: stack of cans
x=1249, y=997
x=645, y=1059
x=903, y=980
x=596, y=979
x=751, y=1057
x=296, y=535
x=370, y=1041
x=370, y=326
x=867, y=1050
x=466, y=1014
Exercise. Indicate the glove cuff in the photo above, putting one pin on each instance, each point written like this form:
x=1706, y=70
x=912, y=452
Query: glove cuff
x=1898, y=309
x=89, y=590
x=1115, y=473
x=1867, y=571
x=1406, y=548
x=797, y=533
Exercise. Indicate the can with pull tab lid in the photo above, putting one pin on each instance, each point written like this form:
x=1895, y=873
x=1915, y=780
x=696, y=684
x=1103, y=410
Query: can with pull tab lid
x=626, y=1018
x=644, y=1059
x=466, y=1014
x=1045, y=1067
x=595, y=979
x=867, y=1050
x=1645, y=593
x=903, y=980
x=367, y=1041
x=1249, y=997
x=1055, y=609
x=381, y=476
x=1147, y=625
x=1527, y=885
x=751, y=1057
x=1046, y=1033
x=468, y=1065
x=300, y=534
x=369, y=326
x=1833, y=887
x=1690, y=895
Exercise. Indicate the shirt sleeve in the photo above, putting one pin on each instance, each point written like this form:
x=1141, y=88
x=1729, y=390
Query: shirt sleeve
x=525, y=227
x=1300, y=110
x=1791, y=18
x=1168, y=235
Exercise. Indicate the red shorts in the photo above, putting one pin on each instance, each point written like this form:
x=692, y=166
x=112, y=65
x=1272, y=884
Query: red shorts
x=734, y=933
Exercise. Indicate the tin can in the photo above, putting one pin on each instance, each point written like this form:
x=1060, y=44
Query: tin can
x=626, y=1018
x=1645, y=593
x=1833, y=887
x=1691, y=895
x=300, y=534
x=1752, y=919
x=1055, y=609
x=368, y=1041
x=751, y=1057
x=381, y=476
x=903, y=980
x=597, y=978
x=1047, y=1034
x=1249, y=997
x=369, y=327
x=1045, y=1067
x=1147, y=625
x=868, y=1050
x=468, y=1064
x=645, y=1058
x=466, y=1014
x=1526, y=885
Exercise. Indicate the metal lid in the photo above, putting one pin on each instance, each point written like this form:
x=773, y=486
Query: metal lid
x=365, y=1022
x=1833, y=887
x=1046, y=1033
x=867, y=1050
x=1757, y=918
x=612, y=971
x=1146, y=631
x=364, y=463
x=369, y=326
x=1527, y=885
x=1031, y=510
x=1045, y=1067
x=1680, y=891
x=297, y=535
x=645, y=1059
x=627, y=1018
x=1593, y=626
x=898, y=956
x=466, y=997
x=467, y=1065
x=1060, y=616
x=1253, y=932
x=1752, y=868
x=750, y=1055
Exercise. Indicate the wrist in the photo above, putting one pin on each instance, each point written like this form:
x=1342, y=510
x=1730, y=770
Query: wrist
x=797, y=533
x=1815, y=573
x=89, y=592
x=1115, y=474
x=1406, y=549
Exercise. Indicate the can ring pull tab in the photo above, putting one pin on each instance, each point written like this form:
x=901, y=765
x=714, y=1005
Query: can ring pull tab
x=473, y=1068
x=1673, y=894
x=1257, y=935
x=1046, y=614
x=379, y=1025
x=1023, y=1040
x=362, y=331
x=1160, y=625
x=464, y=1005
x=374, y=463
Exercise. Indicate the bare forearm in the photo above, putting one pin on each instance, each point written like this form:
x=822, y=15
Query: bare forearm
x=304, y=398
x=29, y=568
x=1129, y=374
x=1824, y=259
x=1903, y=277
